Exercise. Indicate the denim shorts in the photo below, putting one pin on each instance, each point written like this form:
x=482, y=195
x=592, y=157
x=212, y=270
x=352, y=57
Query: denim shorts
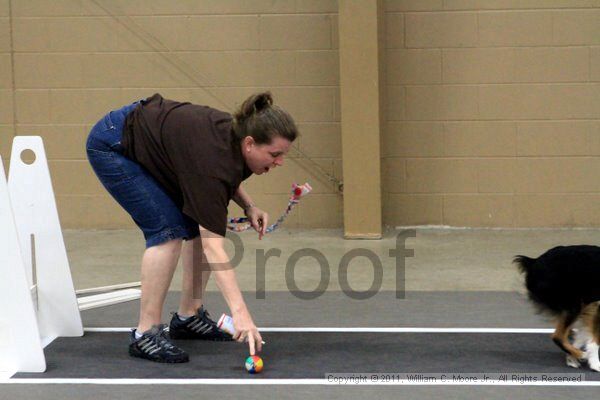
x=132, y=186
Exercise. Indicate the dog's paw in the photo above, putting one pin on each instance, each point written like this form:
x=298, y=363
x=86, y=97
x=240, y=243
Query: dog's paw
x=573, y=362
x=591, y=354
x=593, y=361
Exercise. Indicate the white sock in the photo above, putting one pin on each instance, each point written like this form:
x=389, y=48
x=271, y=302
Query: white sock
x=183, y=318
x=137, y=334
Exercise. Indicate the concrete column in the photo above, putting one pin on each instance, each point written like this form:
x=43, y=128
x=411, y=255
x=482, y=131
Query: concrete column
x=361, y=89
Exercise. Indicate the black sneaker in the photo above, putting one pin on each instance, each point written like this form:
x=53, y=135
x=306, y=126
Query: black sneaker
x=155, y=346
x=199, y=326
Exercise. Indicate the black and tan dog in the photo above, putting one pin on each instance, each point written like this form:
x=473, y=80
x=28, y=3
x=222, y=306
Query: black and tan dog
x=565, y=282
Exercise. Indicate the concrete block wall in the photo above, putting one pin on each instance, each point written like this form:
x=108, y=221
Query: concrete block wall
x=492, y=106
x=6, y=85
x=74, y=60
x=493, y=113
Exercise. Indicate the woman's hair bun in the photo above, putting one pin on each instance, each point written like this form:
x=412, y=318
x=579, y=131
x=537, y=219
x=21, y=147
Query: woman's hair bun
x=254, y=104
x=259, y=118
x=262, y=101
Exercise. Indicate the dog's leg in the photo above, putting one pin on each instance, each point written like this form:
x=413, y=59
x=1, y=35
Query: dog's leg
x=581, y=338
x=591, y=352
x=561, y=334
x=592, y=347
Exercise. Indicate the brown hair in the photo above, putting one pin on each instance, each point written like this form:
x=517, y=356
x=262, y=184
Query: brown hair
x=260, y=118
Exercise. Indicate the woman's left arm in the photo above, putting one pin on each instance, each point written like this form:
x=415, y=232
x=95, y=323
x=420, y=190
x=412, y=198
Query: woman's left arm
x=257, y=217
x=243, y=199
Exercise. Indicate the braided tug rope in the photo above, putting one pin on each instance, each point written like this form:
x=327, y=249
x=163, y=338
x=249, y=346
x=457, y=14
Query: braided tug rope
x=241, y=224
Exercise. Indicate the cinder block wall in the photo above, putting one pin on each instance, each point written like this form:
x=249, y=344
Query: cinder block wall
x=493, y=113
x=6, y=85
x=74, y=61
x=492, y=106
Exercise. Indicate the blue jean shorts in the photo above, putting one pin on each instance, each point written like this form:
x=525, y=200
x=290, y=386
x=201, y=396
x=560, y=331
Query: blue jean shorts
x=132, y=186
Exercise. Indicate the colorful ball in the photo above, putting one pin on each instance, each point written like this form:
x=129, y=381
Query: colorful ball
x=254, y=364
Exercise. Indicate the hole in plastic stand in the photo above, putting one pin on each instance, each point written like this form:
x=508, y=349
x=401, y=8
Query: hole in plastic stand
x=28, y=156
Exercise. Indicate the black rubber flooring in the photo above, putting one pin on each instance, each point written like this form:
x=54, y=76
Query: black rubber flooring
x=384, y=309
x=313, y=355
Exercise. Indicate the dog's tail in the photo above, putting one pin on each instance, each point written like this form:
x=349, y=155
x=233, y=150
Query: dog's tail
x=525, y=263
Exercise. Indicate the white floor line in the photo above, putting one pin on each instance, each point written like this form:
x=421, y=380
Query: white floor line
x=369, y=330
x=402, y=382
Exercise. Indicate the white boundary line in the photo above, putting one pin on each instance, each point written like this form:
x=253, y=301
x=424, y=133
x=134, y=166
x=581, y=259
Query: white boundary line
x=483, y=228
x=368, y=330
x=320, y=382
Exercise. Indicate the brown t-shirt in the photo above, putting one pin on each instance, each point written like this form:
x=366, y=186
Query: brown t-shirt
x=192, y=152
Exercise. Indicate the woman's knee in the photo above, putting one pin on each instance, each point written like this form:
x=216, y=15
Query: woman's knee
x=192, y=249
x=171, y=247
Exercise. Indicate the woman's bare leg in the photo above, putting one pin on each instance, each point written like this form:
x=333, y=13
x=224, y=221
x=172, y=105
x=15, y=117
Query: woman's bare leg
x=158, y=264
x=196, y=272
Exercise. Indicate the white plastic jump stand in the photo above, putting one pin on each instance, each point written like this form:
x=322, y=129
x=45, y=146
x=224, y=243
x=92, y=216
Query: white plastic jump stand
x=24, y=351
x=46, y=263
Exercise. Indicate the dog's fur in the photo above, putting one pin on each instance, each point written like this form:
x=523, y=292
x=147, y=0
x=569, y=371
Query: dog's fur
x=565, y=282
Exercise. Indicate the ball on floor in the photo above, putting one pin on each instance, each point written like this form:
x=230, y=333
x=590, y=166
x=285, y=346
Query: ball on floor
x=254, y=364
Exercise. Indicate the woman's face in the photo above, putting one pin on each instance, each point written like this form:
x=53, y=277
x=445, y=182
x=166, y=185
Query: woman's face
x=261, y=158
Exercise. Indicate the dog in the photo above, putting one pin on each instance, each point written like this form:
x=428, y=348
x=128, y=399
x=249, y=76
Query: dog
x=565, y=283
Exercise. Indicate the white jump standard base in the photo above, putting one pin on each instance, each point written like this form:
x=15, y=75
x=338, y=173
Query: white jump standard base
x=36, y=289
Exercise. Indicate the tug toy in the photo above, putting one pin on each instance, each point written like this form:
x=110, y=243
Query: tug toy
x=241, y=224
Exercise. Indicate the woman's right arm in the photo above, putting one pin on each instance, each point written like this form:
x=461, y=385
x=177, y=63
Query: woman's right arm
x=217, y=257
